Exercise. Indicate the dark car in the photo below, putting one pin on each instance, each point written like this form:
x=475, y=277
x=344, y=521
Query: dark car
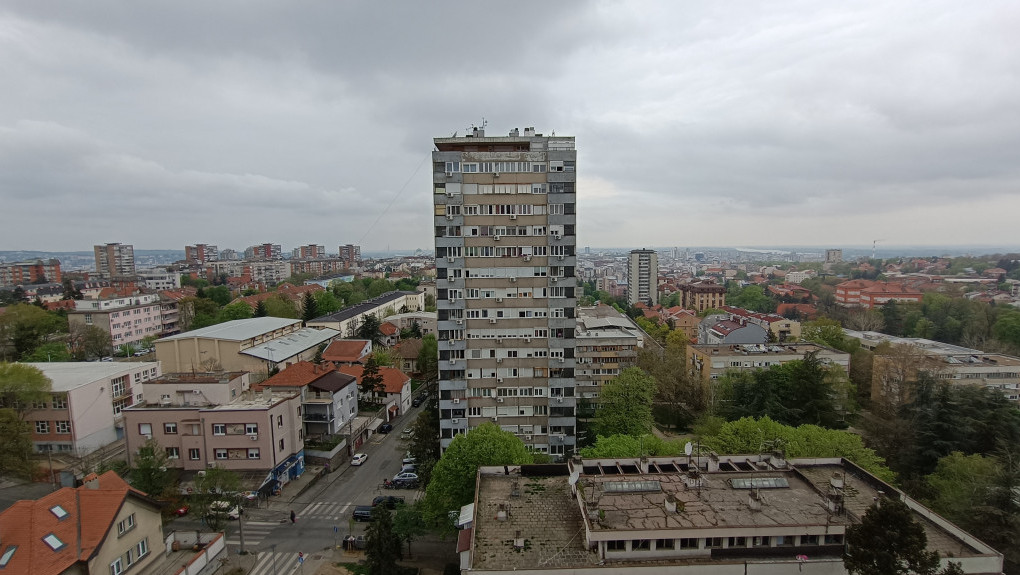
x=389, y=501
x=416, y=402
x=385, y=428
x=363, y=513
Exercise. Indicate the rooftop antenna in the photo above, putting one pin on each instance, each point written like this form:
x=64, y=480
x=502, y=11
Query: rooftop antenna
x=873, y=245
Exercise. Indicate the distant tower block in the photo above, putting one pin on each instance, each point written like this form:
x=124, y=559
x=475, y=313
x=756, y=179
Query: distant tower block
x=833, y=256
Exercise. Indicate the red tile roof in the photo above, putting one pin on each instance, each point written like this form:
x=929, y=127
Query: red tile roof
x=300, y=374
x=388, y=329
x=393, y=378
x=347, y=350
x=91, y=512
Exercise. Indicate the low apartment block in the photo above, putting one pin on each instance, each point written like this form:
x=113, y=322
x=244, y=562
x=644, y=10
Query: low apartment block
x=128, y=319
x=782, y=329
x=700, y=296
x=607, y=342
x=946, y=362
x=30, y=272
x=85, y=409
x=329, y=399
x=869, y=294
x=347, y=321
x=251, y=432
x=710, y=362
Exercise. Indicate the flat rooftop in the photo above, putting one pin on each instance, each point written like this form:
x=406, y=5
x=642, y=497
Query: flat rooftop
x=238, y=329
x=291, y=344
x=761, y=349
x=68, y=375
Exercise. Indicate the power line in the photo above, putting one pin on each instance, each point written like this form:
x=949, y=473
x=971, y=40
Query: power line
x=395, y=198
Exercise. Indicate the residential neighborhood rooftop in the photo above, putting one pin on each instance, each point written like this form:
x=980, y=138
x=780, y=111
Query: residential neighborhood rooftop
x=291, y=344
x=68, y=375
x=238, y=329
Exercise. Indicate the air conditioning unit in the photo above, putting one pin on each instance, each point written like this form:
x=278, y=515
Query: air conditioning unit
x=496, y=418
x=557, y=237
x=449, y=278
x=499, y=340
x=555, y=279
x=527, y=438
x=449, y=194
x=495, y=175
x=559, y=400
x=211, y=464
x=454, y=421
x=253, y=437
x=451, y=259
x=449, y=174
x=460, y=322
x=449, y=217
x=196, y=391
x=499, y=400
x=513, y=216
x=453, y=361
x=499, y=380
x=499, y=300
x=492, y=320
x=527, y=340
x=499, y=360
x=456, y=400
x=562, y=360
x=452, y=300
x=496, y=238
x=557, y=257
x=513, y=279
x=527, y=258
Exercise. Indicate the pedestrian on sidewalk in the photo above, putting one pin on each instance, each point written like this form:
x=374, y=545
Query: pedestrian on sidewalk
x=293, y=517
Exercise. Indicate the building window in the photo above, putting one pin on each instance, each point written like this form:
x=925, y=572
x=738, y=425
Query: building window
x=251, y=428
x=834, y=539
x=281, y=445
x=641, y=545
x=173, y=453
x=145, y=429
x=762, y=541
x=221, y=454
x=116, y=568
x=665, y=543
x=59, y=402
x=738, y=542
x=253, y=453
x=194, y=454
x=59, y=512
x=63, y=427
x=7, y=556
x=688, y=543
x=143, y=547
x=42, y=427
x=279, y=421
x=126, y=524
x=38, y=405
x=170, y=428
x=809, y=540
x=785, y=540
x=711, y=542
x=219, y=429
x=616, y=545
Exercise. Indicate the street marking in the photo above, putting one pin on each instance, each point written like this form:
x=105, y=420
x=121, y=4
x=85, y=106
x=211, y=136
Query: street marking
x=286, y=563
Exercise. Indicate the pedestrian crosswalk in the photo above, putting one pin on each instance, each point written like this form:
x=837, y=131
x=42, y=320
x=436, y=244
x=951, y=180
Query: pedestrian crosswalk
x=324, y=510
x=271, y=563
x=254, y=532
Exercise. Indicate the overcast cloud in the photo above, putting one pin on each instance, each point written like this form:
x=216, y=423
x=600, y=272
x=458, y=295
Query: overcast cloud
x=718, y=123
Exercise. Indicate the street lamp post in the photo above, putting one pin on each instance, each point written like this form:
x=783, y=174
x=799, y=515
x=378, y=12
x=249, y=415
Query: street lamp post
x=240, y=523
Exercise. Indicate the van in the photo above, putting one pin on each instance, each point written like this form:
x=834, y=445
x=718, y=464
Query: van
x=363, y=513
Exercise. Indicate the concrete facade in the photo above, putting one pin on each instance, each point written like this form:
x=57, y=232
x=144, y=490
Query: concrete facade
x=643, y=277
x=128, y=320
x=115, y=260
x=504, y=212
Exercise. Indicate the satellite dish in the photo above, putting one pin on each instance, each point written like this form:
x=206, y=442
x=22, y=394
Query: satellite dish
x=688, y=448
x=574, y=477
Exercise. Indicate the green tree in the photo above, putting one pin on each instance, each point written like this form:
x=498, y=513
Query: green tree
x=428, y=361
x=453, y=478
x=382, y=547
x=16, y=447
x=753, y=298
x=378, y=287
x=682, y=395
x=21, y=386
x=825, y=331
x=625, y=404
x=24, y=327
x=888, y=541
x=151, y=472
x=236, y=310
x=217, y=484
x=632, y=446
x=71, y=292
x=425, y=447
x=309, y=307
x=1007, y=329
x=260, y=309
x=279, y=306
x=50, y=351
x=959, y=484
x=371, y=380
x=383, y=357
x=369, y=328
x=408, y=525
x=326, y=302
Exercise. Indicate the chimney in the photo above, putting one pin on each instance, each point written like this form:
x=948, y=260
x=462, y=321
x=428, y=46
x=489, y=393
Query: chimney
x=91, y=481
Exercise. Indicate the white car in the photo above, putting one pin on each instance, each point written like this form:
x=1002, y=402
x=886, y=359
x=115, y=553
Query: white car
x=225, y=509
x=359, y=458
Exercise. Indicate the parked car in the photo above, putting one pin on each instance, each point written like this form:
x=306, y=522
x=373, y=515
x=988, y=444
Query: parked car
x=363, y=513
x=359, y=458
x=408, y=459
x=182, y=510
x=385, y=428
x=408, y=468
x=417, y=401
x=390, y=501
x=404, y=476
x=107, y=358
x=224, y=509
x=407, y=433
x=141, y=352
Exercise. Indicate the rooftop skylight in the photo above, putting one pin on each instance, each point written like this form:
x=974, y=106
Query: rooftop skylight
x=59, y=511
x=54, y=542
x=759, y=483
x=630, y=486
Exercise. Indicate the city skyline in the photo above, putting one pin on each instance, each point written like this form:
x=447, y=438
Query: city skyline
x=798, y=125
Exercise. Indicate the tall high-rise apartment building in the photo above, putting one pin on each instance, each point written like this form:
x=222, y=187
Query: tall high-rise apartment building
x=115, y=260
x=201, y=253
x=309, y=252
x=505, y=216
x=643, y=277
x=263, y=252
x=350, y=254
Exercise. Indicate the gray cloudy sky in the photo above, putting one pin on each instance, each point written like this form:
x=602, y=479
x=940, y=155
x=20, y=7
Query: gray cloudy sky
x=708, y=123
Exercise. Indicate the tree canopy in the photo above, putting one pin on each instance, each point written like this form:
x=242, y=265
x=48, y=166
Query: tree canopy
x=453, y=478
x=21, y=386
x=888, y=541
x=625, y=404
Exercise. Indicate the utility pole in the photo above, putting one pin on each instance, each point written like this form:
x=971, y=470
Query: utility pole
x=240, y=523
